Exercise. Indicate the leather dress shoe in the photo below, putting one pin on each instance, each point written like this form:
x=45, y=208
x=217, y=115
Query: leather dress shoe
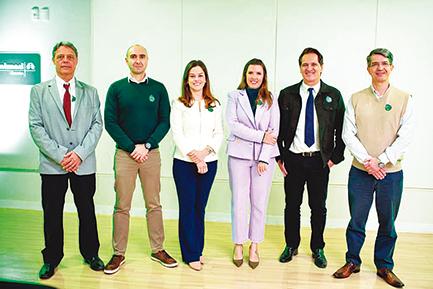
x=319, y=258
x=347, y=270
x=95, y=263
x=47, y=271
x=288, y=254
x=389, y=277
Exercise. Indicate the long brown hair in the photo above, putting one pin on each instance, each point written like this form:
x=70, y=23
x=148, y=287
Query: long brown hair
x=186, y=97
x=264, y=94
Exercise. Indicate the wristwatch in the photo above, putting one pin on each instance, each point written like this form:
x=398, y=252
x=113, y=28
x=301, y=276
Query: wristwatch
x=381, y=165
x=147, y=145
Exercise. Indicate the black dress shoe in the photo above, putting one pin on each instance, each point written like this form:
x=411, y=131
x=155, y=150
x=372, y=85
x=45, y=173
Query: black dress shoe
x=47, y=271
x=319, y=258
x=95, y=263
x=288, y=254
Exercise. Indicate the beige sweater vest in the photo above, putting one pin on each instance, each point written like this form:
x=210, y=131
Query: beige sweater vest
x=378, y=121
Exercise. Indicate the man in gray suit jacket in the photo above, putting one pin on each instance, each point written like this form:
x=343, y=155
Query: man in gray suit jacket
x=65, y=123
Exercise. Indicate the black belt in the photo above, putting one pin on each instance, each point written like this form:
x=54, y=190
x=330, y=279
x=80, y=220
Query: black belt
x=307, y=154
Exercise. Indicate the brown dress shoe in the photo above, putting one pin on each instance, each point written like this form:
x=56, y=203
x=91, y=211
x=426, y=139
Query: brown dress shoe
x=347, y=270
x=389, y=277
x=164, y=259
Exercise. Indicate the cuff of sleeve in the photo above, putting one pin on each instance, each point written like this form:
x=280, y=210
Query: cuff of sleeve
x=80, y=153
x=384, y=159
x=153, y=143
x=263, y=162
x=130, y=148
x=61, y=153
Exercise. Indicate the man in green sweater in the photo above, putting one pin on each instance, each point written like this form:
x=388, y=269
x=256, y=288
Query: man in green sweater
x=137, y=113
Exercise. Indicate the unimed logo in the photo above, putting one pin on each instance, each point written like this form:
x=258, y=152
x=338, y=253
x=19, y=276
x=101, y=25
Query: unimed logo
x=20, y=68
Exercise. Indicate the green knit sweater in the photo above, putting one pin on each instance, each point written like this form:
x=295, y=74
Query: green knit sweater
x=137, y=113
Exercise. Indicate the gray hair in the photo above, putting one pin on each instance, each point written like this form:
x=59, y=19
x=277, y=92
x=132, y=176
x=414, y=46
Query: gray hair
x=67, y=44
x=382, y=51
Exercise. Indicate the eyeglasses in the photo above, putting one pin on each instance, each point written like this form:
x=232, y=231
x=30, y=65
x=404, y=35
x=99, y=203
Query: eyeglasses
x=377, y=64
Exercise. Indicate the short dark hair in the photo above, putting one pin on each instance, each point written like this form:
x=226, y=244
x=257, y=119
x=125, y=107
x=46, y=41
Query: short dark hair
x=382, y=51
x=67, y=44
x=311, y=50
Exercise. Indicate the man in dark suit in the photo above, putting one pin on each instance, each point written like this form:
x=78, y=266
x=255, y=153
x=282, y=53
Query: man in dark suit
x=65, y=123
x=311, y=120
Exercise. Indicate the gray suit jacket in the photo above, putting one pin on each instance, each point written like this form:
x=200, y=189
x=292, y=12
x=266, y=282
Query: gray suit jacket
x=52, y=134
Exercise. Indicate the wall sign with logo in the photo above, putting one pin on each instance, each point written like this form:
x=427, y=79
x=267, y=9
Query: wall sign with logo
x=20, y=68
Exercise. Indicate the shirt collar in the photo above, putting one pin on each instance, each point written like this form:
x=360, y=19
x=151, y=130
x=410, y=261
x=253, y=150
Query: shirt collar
x=305, y=87
x=60, y=81
x=376, y=93
x=132, y=79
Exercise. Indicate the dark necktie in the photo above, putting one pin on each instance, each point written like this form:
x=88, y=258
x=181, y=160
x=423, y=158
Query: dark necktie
x=309, y=119
x=67, y=104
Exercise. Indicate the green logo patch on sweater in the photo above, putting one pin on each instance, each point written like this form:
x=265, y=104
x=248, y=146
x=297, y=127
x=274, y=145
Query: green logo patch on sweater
x=388, y=107
x=151, y=98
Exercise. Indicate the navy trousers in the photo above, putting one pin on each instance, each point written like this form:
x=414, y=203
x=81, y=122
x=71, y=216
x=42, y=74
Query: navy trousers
x=362, y=187
x=54, y=189
x=193, y=192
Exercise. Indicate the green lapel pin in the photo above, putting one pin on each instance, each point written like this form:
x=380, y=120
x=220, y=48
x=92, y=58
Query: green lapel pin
x=388, y=107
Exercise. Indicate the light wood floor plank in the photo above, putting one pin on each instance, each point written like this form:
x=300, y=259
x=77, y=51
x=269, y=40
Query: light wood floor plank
x=22, y=239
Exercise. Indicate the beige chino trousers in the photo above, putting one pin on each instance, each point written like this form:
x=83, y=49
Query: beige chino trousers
x=126, y=170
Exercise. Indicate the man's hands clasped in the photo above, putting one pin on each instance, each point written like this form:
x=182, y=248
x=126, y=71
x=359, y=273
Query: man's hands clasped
x=140, y=153
x=372, y=167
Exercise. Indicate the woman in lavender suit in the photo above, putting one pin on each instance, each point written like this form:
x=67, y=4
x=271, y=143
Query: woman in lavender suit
x=253, y=118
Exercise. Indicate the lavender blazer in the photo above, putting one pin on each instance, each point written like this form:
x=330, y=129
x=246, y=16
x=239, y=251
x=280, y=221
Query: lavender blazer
x=247, y=130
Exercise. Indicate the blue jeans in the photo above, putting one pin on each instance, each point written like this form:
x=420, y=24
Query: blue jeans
x=193, y=192
x=362, y=187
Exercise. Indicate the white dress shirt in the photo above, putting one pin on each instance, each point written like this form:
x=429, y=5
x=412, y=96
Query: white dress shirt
x=298, y=145
x=195, y=128
x=395, y=151
x=132, y=79
x=62, y=91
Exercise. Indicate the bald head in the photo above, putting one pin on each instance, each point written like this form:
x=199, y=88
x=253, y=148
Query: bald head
x=132, y=47
x=136, y=59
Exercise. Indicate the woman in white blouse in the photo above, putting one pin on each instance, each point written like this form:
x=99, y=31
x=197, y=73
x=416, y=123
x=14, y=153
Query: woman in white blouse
x=196, y=124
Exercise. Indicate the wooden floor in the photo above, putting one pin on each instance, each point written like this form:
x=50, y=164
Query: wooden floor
x=21, y=240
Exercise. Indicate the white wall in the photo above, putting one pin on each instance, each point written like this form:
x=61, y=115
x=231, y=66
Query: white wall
x=225, y=34
x=69, y=20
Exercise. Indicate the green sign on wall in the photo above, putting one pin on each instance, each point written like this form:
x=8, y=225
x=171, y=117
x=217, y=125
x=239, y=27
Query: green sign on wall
x=20, y=68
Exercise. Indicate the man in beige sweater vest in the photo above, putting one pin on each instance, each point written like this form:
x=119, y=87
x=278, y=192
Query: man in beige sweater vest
x=377, y=127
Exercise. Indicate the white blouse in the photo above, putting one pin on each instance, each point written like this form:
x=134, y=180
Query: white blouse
x=196, y=127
